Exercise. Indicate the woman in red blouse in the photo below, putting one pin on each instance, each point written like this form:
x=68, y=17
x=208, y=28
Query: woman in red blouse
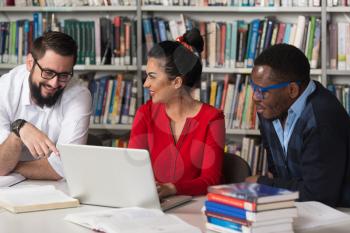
x=185, y=137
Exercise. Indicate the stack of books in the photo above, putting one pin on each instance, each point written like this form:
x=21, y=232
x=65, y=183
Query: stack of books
x=250, y=207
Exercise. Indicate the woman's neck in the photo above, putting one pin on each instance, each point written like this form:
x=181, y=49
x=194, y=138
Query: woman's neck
x=182, y=106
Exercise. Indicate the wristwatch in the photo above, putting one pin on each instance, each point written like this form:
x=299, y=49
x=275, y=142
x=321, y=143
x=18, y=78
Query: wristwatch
x=16, y=126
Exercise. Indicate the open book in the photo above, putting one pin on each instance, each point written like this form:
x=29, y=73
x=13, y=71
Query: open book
x=313, y=214
x=34, y=198
x=11, y=179
x=133, y=219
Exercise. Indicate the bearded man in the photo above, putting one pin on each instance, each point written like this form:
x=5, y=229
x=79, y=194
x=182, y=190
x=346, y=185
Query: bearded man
x=41, y=106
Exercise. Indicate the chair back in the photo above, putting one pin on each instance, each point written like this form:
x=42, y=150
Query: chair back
x=234, y=169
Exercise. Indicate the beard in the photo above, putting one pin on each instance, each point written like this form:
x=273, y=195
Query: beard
x=40, y=100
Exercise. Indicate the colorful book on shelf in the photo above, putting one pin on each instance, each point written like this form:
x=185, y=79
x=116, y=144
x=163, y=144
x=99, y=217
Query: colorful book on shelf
x=249, y=215
x=254, y=192
x=34, y=198
x=246, y=205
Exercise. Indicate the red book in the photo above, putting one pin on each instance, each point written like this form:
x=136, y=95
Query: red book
x=232, y=201
x=247, y=205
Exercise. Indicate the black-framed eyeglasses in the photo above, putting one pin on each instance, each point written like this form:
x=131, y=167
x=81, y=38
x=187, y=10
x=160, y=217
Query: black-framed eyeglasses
x=50, y=74
x=259, y=91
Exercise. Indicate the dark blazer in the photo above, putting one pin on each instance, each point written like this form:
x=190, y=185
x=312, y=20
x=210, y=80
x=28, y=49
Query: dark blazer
x=318, y=156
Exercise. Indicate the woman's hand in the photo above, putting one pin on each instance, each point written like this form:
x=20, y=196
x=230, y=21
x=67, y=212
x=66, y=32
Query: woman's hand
x=166, y=189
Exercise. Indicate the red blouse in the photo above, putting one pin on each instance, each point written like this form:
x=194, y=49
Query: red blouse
x=194, y=162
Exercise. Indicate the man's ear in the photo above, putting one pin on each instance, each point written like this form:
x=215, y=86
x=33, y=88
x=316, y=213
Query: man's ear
x=294, y=90
x=29, y=62
x=178, y=82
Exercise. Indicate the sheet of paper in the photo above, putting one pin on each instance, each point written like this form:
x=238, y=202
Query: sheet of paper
x=135, y=220
x=11, y=179
x=314, y=214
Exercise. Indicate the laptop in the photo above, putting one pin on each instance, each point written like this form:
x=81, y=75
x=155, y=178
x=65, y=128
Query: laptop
x=114, y=177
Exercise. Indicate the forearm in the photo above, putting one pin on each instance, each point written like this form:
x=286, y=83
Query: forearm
x=37, y=169
x=10, y=152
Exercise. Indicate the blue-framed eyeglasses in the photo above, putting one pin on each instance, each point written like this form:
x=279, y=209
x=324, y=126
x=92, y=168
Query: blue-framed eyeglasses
x=259, y=91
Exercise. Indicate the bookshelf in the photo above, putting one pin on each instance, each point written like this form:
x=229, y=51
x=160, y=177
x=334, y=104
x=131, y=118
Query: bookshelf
x=323, y=73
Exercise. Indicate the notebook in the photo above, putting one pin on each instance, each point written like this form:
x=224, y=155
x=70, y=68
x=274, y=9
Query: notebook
x=34, y=198
x=115, y=177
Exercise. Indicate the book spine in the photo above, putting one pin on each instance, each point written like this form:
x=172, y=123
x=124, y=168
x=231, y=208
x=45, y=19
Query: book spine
x=232, y=201
x=227, y=210
x=226, y=224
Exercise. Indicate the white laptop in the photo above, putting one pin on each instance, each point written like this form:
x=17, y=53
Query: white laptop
x=115, y=177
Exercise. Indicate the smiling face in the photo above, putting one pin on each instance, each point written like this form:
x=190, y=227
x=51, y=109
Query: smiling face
x=276, y=102
x=161, y=89
x=44, y=91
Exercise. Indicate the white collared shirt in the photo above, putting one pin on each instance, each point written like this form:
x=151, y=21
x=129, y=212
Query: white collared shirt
x=65, y=122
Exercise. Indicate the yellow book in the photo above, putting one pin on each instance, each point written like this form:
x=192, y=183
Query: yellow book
x=213, y=87
x=34, y=198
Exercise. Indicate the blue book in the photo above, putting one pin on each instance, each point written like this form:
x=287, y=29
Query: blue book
x=226, y=224
x=225, y=209
x=253, y=40
x=99, y=106
x=269, y=31
x=162, y=30
x=287, y=33
x=239, y=213
x=253, y=192
x=219, y=90
x=111, y=103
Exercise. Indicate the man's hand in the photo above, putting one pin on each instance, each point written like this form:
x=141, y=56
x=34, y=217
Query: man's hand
x=252, y=179
x=39, y=145
x=165, y=190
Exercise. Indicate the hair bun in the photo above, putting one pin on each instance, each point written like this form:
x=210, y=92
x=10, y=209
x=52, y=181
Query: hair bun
x=194, y=38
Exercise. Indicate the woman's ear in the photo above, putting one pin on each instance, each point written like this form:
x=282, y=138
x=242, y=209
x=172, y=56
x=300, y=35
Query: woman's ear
x=29, y=62
x=178, y=82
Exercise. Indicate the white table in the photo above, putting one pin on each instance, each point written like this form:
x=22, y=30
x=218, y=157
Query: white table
x=51, y=221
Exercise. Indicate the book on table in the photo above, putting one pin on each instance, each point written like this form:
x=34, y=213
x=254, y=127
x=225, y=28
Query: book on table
x=281, y=227
x=247, y=205
x=253, y=192
x=34, y=198
x=247, y=223
x=248, y=215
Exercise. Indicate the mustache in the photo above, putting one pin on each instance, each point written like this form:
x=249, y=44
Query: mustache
x=48, y=101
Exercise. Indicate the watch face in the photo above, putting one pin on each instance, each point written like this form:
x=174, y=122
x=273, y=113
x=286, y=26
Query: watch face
x=16, y=126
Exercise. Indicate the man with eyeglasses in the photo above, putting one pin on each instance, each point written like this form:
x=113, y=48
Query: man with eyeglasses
x=41, y=106
x=304, y=128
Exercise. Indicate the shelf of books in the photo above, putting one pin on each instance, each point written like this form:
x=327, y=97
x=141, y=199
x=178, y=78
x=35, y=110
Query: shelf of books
x=234, y=70
x=218, y=9
x=243, y=132
x=339, y=72
x=232, y=42
x=105, y=68
x=110, y=127
x=69, y=9
x=338, y=9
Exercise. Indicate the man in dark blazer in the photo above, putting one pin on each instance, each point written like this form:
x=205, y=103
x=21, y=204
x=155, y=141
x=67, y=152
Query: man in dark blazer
x=304, y=128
